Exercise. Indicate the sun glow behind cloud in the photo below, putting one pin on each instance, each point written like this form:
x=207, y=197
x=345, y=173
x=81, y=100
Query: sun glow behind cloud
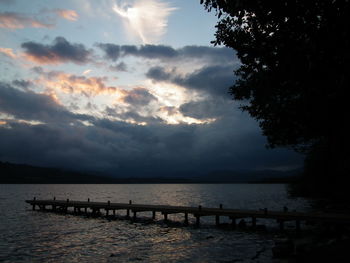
x=147, y=19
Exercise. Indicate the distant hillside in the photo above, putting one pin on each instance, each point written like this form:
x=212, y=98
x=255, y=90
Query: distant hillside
x=27, y=174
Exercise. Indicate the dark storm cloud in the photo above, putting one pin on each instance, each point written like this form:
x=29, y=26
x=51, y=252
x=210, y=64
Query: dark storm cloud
x=112, y=51
x=215, y=80
x=29, y=105
x=24, y=84
x=209, y=108
x=59, y=51
x=124, y=149
x=119, y=67
x=233, y=142
x=162, y=52
x=138, y=97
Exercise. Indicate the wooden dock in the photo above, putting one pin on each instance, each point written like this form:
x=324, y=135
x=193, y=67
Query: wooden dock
x=109, y=208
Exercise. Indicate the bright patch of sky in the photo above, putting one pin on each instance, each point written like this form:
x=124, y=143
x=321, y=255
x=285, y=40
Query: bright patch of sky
x=86, y=23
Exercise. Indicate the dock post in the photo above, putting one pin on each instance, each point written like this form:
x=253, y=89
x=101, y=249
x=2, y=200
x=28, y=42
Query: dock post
x=54, y=198
x=220, y=206
x=217, y=220
x=297, y=225
x=127, y=213
x=198, y=220
x=107, y=212
x=281, y=225
x=199, y=207
x=254, y=221
x=109, y=203
x=130, y=202
x=153, y=215
x=233, y=223
x=134, y=216
x=34, y=203
x=85, y=210
x=165, y=217
x=186, y=219
x=88, y=199
x=67, y=200
x=113, y=212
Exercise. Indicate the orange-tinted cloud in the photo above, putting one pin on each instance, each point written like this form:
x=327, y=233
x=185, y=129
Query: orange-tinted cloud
x=67, y=14
x=13, y=20
x=8, y=52
x=69, y=83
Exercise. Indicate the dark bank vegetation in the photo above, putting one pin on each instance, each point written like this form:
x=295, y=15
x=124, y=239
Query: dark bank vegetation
x=293, y=76
x=27, y=174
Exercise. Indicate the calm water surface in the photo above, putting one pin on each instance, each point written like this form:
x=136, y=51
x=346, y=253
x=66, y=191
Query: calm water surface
x=31, y=236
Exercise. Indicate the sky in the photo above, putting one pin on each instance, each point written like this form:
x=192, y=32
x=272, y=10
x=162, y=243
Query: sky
x=124, y=88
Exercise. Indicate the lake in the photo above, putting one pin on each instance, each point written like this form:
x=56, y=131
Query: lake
x=32, y=236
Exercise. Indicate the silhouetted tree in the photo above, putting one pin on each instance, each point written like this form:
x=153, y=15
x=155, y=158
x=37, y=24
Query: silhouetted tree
x=293, y=76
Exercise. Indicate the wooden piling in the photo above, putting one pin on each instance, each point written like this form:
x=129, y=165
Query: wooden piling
x=233, y=222
x=165, y=217
x=153, y=215
x=281, y=225
x=297, y=225
x=198, y=220
x=186, y=219
x=217, y=220
x=253, y=221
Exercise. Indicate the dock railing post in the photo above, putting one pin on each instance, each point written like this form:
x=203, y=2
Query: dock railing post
x=54, y=198
x=67, y=200
x=130, y=202
x=88, y=200
x=220, y=206
x=199, y=207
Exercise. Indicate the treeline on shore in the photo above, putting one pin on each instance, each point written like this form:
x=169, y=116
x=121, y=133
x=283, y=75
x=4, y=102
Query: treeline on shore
x=27, y=174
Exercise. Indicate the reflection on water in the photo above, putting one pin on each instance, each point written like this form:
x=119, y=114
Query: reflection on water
x=46, y=237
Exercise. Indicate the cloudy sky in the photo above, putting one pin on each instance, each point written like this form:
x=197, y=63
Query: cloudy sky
x=127, y=88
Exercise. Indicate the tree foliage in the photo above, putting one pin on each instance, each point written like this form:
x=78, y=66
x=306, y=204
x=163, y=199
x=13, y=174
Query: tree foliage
x=294, y=72
x=294, y=56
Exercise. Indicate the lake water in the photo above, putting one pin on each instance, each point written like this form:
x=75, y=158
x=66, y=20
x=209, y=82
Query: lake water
x=32, y=236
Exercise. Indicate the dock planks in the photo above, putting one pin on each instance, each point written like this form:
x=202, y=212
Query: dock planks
x=197, y=212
